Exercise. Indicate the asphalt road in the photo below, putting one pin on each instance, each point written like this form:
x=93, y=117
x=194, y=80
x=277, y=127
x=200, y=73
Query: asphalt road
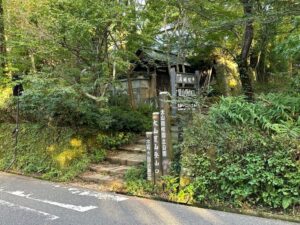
x=27, y=201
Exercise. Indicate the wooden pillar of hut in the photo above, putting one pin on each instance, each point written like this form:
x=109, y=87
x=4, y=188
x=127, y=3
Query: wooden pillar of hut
x=153, y=91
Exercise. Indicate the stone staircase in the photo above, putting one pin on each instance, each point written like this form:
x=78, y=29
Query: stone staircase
x=110, y=173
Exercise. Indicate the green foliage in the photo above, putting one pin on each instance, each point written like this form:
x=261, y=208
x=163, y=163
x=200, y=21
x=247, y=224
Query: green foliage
x=246, y=153
x=126, y=120
x=98, y=155
x=277, y=113
x=48, y=101
x=113, y=140
x=290, y=47
x=45, y=100
x=51, y=153
x=136, y=182
x=296, y=84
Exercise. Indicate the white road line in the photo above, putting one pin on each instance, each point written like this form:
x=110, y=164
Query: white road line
x=97, y=195
x=12, y=205
x=62, y=205
x=103, y=196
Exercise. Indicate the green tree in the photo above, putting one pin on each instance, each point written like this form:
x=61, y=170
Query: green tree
x=246, y=47
x=2, y=39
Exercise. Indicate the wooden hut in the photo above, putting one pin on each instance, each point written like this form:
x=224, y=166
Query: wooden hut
x=151, y=73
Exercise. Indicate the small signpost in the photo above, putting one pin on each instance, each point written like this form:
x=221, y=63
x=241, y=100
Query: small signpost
x=165, y=129
x=157, y=147
x=149, y=151
x=158, y=142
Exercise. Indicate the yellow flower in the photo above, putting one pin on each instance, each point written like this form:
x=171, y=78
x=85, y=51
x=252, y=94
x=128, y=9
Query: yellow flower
x=76, y=142
x=232, y=83
x=67, y=156
x=51, y=148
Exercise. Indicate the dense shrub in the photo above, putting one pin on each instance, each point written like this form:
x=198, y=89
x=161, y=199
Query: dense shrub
x=246, y=153
x=62, y=106
x=113, y=140
x=52, y=101
x=296, y=83
x=52, y=153
x=136, y=182
x=128, y=120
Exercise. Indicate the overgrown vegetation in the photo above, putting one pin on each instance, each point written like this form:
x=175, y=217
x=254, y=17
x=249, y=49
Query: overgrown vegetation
x=242, y=154
x=248, y=153
x=55, y=153
x=70, y=55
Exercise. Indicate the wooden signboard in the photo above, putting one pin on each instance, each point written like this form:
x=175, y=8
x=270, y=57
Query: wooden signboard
x=184, y=88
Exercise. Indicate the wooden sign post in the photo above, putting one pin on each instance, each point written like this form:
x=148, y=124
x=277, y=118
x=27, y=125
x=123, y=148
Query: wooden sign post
x=150, y=156
x=173, y=90
x=157, y=147
x=165, y=129
x=159, y=142
x=184, y=87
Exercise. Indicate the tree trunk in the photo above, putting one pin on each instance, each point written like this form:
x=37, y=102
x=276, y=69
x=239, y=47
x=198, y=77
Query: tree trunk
x=243, y=59
x=261, y=67
x=266, y=35
x=2, y=40
x=130, y=91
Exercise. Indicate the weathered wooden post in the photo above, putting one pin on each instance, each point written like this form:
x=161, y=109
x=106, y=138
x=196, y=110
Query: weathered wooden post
x=165, y=129
x=150, y=156
x=157, y=147
x=197, y=81
x=173, y=91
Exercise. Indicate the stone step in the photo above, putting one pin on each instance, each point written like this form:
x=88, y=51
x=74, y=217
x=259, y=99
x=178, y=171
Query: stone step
x=98, y=178
x=141, y=141
x=137, y=148
x=110, y=169
x=174, y=129
x=126, y=158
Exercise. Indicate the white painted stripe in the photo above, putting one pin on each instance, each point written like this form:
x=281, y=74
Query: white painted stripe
x=62, y=205
x=12, y=205
x=103, y=196
x=97, y=195
x=67, y=206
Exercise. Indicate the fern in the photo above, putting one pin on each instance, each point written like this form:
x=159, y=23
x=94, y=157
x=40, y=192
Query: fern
x=277, y=113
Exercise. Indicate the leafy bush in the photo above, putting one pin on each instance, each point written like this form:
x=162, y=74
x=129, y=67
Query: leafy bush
x=98, y=155
x=120, y=100
x=113, y=140
x=245, y=153
x=46, y=101
x=49, y=101
x=126, y=120
x=296, y=83
x=51, y=153
x=277, y=113
x=136, y=182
